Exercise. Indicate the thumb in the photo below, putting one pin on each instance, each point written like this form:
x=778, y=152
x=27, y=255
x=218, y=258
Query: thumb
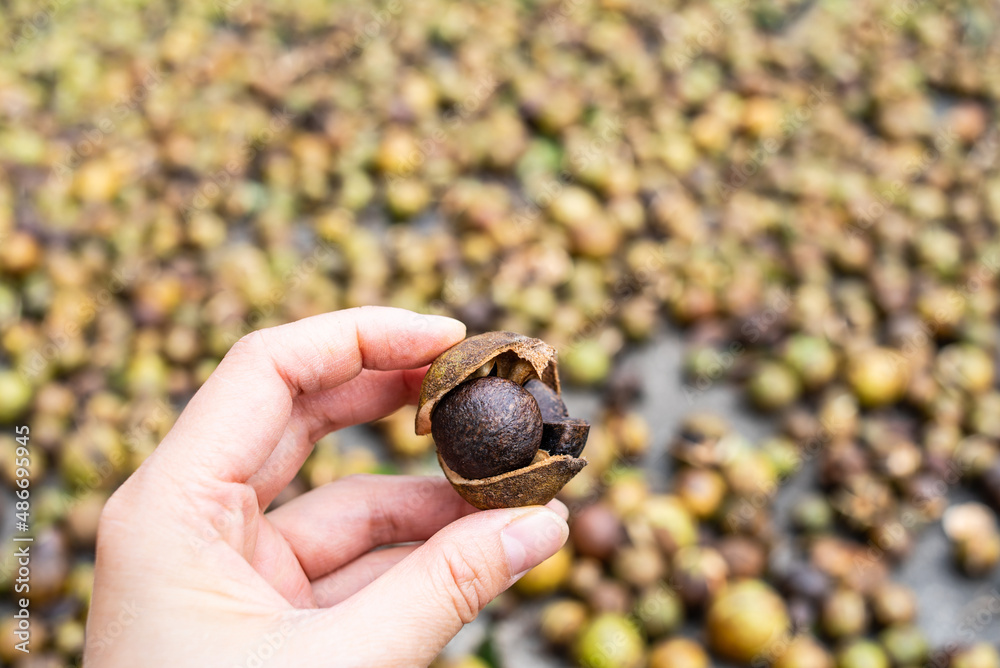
x=408, y=615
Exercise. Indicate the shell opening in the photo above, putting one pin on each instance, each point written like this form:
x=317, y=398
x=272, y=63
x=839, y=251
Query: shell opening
x=506, y=365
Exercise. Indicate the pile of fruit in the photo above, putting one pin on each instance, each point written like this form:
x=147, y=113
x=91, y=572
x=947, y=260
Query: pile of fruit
x=809, y=188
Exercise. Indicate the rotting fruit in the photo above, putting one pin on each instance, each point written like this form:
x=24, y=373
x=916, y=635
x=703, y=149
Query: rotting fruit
x=503, y=435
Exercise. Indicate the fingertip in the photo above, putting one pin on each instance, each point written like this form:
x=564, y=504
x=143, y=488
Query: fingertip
x=448, y=328
x=532, y=538
x=559, y=508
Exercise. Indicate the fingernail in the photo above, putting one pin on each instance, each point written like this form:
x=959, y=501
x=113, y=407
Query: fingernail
x=441, y=321
x=533, y=538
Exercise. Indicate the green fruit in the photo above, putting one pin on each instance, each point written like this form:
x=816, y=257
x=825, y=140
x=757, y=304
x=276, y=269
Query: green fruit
x=610, y=641
x=773, y=385
x=905, y=645
x=15, y=396
x=812, y=358
x=587, y=362
x=862, y=654
x=660, y=611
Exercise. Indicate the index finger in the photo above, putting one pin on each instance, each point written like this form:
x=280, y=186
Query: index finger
x=238, y=416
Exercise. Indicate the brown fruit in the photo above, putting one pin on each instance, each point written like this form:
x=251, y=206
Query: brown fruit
x=515, y=356
x=596, y=531
x=492, y=404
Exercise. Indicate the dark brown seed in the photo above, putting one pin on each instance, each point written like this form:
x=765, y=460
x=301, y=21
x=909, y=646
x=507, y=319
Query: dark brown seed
x=660, y=610
x=486, y=427
x=567, y=437
x=549, y=402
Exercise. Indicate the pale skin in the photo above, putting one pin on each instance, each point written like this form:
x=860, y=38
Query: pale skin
x=193, y=570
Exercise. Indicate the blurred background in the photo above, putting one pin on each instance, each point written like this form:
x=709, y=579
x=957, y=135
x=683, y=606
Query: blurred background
x=762, y=235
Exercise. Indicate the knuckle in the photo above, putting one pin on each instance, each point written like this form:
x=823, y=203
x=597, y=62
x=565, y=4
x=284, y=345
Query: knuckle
x=361, y=479
x=117, y=512
x=248, y=343
x=467, y=582
x=114, y=508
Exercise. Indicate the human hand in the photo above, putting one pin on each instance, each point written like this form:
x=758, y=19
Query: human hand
x=191, y=570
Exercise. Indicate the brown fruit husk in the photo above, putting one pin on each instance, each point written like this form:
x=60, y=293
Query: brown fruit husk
x=463, y=359
x=534, y=485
